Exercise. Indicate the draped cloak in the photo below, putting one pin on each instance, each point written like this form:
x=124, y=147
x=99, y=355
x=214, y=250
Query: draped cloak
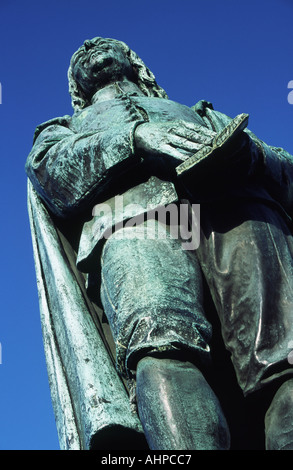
x=90, y=401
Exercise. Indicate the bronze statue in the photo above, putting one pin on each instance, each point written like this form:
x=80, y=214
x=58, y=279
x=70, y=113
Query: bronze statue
x=131, y=293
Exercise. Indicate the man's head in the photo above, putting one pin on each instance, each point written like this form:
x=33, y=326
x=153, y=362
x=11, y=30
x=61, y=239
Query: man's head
x=101, y=61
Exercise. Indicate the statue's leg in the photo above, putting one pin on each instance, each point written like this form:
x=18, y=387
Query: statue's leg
x=279, y=419
x=246, y=255
x=177, y=407
x=152, y=296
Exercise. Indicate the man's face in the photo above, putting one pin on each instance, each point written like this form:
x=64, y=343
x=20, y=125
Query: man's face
x=99, y=64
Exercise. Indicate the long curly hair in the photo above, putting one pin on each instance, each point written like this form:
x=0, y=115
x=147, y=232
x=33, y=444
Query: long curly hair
x=145, y=79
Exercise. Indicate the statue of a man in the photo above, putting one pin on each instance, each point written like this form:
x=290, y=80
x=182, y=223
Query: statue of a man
x=127, y=138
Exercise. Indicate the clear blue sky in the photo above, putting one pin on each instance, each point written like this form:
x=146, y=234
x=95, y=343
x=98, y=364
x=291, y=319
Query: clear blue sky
x=236, y=54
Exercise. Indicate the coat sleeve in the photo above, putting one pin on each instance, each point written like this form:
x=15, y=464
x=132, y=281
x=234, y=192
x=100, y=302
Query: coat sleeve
x=274, y=165
x=70, y=169
x=277, y=171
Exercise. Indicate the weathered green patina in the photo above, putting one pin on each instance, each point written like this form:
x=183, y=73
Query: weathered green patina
x=126, y=315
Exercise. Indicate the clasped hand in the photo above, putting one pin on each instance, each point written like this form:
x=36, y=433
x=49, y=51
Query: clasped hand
x=174, y=141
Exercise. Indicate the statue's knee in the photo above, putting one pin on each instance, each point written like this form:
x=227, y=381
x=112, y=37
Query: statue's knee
x=166, y=363
x=152, y=366
x=279, y=419
x=281, y=405
x=197, y=414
